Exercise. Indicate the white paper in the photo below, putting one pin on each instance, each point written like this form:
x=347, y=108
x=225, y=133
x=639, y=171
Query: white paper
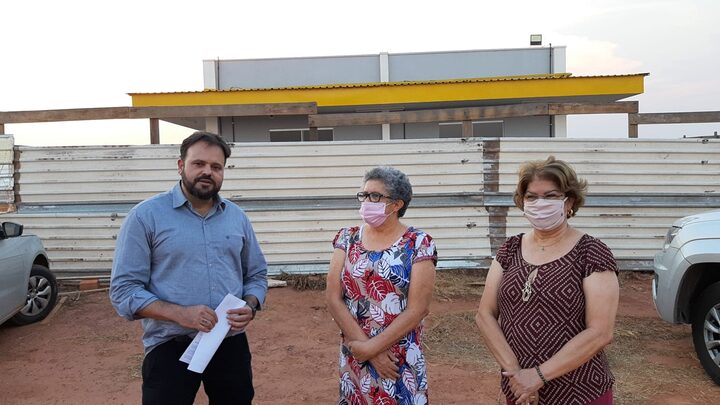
x=204, y=346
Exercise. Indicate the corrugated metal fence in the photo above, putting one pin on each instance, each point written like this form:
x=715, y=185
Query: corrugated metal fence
x=6, y=173
x=299, y=195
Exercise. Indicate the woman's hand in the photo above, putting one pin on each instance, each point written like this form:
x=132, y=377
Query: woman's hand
x=362, y=350
x=524, y=384
x=385, y=364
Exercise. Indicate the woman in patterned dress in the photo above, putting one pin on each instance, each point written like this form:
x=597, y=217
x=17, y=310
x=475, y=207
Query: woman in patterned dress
x=550, y=297
x=379, y=288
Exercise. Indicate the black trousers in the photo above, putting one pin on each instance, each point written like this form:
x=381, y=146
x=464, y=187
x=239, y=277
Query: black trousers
x=227, y=379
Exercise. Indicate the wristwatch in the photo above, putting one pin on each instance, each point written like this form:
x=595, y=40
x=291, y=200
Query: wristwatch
x=254, y=308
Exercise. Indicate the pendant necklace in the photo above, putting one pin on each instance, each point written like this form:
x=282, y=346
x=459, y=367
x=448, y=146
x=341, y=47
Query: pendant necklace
x=542, y=247
x=527, y=289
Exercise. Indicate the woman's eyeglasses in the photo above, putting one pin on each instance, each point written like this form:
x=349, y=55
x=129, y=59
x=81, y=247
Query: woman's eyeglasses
x=548, y=196
x=374, y=197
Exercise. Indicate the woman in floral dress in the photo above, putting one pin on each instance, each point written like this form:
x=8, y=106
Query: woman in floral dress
x=379, y=289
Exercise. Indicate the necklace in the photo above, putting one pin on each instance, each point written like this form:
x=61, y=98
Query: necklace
x=527, y=289
x=542, y=247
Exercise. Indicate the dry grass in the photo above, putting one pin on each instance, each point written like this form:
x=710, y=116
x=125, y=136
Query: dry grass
x=454, y=337
x=449, y=284
x=303, y=282
x=135, y=365
x=454, y=284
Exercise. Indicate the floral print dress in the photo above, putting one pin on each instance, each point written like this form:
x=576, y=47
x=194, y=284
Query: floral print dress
x=375, y=286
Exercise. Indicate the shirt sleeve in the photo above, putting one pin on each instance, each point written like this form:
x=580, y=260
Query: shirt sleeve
x=341, y=239
x=254, y=266
x=502, y=254
x=425, y=249
x=598, y=257
x=131, y=268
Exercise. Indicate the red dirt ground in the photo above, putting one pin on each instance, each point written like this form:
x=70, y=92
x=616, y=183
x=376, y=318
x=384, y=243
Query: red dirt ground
x=86, y=354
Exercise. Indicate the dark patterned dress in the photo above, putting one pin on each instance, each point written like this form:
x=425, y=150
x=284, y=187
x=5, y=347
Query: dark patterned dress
x=375, y=288
x=554, y=314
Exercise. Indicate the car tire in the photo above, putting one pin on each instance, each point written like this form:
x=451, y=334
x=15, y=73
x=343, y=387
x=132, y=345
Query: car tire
x=41, y=296
x=705, y=328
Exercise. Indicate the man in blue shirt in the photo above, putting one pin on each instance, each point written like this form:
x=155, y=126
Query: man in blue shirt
x=178, y=254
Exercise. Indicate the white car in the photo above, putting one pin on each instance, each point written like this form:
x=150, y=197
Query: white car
x=686, y=287
x=28, y=290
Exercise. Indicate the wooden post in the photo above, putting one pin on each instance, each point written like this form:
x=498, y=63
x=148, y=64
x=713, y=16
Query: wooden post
x=632, y=125
x=467, y=129
x=2, y=128
x=632, y=131
x=154, y=131
x=312, y=134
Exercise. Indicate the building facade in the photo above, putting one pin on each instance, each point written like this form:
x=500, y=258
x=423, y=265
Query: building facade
x=396, y=96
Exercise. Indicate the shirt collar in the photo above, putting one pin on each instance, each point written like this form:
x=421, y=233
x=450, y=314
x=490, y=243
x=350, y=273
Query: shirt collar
x=179, y=198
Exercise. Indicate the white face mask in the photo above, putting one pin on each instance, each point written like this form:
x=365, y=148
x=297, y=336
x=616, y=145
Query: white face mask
x=545, y=214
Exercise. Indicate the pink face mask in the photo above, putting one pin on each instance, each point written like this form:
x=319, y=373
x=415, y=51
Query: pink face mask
x=545, y=214
x=373, y=213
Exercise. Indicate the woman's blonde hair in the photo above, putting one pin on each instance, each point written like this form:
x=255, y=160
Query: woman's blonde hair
x=556, y=171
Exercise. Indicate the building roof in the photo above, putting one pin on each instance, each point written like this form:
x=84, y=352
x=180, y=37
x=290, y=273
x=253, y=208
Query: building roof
x=547, y=87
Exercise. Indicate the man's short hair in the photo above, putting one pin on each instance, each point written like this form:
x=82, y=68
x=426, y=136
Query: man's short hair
x=203, y=136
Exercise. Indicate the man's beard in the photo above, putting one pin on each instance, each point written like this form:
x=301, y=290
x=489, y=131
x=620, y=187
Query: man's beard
x=208, y=194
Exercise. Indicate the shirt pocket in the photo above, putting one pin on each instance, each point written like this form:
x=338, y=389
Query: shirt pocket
x=229, y=243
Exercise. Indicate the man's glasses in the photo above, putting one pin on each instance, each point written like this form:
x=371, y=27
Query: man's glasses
x=374, y=197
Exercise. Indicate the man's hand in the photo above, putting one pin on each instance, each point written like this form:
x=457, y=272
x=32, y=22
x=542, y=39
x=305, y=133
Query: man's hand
x=197, y=317
x=239, y=318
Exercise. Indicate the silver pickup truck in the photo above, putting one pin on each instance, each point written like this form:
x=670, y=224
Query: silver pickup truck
x=686, y=287
x=28, y=290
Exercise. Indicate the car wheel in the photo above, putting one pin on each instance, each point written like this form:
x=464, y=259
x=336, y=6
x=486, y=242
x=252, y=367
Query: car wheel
x=41, y=296
x=706, y=330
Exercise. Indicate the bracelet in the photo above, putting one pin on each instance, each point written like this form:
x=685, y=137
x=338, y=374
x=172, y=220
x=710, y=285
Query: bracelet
x=540, y=374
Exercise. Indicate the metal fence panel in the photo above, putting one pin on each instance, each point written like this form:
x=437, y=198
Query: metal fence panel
x=6, y=171
x=299, y=195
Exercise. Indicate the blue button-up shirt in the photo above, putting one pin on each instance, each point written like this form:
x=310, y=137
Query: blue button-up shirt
x=167, y=251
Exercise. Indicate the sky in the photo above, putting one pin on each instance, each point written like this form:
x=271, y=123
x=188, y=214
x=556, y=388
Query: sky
x=83, y=54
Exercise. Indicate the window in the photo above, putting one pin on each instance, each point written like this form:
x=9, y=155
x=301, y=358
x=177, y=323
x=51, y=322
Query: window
x=299, y=135
x=489, y=129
